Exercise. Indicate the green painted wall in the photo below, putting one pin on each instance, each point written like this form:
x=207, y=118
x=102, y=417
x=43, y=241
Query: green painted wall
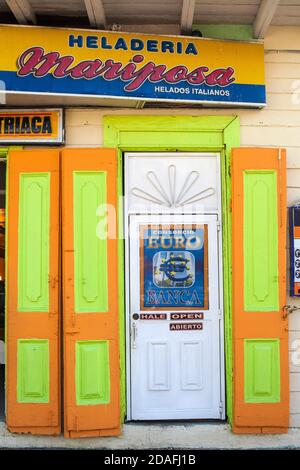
x=33, y=244
x=240, y=32
x=90, y=258
x=260, y=241
x=92, y=372
x=262, y=370
x=179, y=133
x=33, y=371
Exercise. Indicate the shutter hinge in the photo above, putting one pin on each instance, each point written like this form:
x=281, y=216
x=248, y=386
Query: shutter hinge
x=72, y=331
x=52, y=281
x=220, y=314
x=218, y=225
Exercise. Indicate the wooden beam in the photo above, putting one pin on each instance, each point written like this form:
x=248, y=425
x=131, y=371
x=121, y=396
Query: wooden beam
x=96, y=13
x=187, y=16
x=265, y=14
x=22, y=10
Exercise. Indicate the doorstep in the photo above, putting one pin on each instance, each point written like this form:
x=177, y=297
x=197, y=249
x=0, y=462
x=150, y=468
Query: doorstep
x=159, y=436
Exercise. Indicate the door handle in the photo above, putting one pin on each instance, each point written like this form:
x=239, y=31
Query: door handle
x=133, y=335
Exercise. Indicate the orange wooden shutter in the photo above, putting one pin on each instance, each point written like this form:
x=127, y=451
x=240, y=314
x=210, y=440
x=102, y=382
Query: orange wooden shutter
x=260, y=332
x=90, y=304
x=32, y=381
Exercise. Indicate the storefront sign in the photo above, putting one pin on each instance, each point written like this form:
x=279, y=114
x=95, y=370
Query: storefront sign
x=174, y=267
x=132, y=66
x=153, y=316
x=294, y=228
x=186, y=326
x=31, y=126
x=187, y=316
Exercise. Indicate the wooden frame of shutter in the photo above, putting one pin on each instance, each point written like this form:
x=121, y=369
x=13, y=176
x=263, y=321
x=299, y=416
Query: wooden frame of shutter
x=32, y=289
x=90, y=294
x=260, y=331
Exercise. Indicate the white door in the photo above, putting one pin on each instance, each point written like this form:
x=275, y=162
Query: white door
x=175, y=317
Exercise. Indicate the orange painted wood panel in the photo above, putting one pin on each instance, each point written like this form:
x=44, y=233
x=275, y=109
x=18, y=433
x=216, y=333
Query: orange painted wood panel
x=260, y=332
x=90, y=293
x=32, y=311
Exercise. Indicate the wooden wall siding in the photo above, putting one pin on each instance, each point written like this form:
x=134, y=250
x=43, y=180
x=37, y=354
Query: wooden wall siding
x=65, y=8
x=234, y=12
x=3, y=7
x=276, y=125
x=287, y=13
x=131, y=13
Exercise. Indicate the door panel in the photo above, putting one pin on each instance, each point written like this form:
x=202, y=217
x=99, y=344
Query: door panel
x=261, y=390
x=91, y=354
x=175, y=373
x=33, y=364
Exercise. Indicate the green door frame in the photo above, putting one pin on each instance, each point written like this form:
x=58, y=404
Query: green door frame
x=138, y=133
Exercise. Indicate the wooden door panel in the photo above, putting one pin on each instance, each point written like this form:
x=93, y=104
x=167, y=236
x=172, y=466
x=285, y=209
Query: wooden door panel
x=91, y=347
x=33, y=346
x=260, y=331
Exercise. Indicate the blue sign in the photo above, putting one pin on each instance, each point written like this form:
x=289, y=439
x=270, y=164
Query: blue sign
x=174, y=269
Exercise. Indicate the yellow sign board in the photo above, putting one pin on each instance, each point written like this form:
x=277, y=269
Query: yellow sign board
x=31, y=126
x=131, y=66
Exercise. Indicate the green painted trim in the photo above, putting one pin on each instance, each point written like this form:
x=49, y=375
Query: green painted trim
x=261, y=292
x=121, y=285
x=33, y=242
x=90, y=259
x=4, y=150
x=231, y=139
x=179, y=133
x=92, y=373
x=262, y=370
x=240, y=32
x=33, y=380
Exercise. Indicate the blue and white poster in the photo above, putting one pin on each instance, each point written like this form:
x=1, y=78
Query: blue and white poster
x=174, y=267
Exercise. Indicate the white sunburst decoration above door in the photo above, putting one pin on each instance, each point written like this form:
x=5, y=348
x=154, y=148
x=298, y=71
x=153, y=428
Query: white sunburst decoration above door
x=169, y=183
x=172, y=193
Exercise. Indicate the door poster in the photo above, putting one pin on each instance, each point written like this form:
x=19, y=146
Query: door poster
x=174, y=267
